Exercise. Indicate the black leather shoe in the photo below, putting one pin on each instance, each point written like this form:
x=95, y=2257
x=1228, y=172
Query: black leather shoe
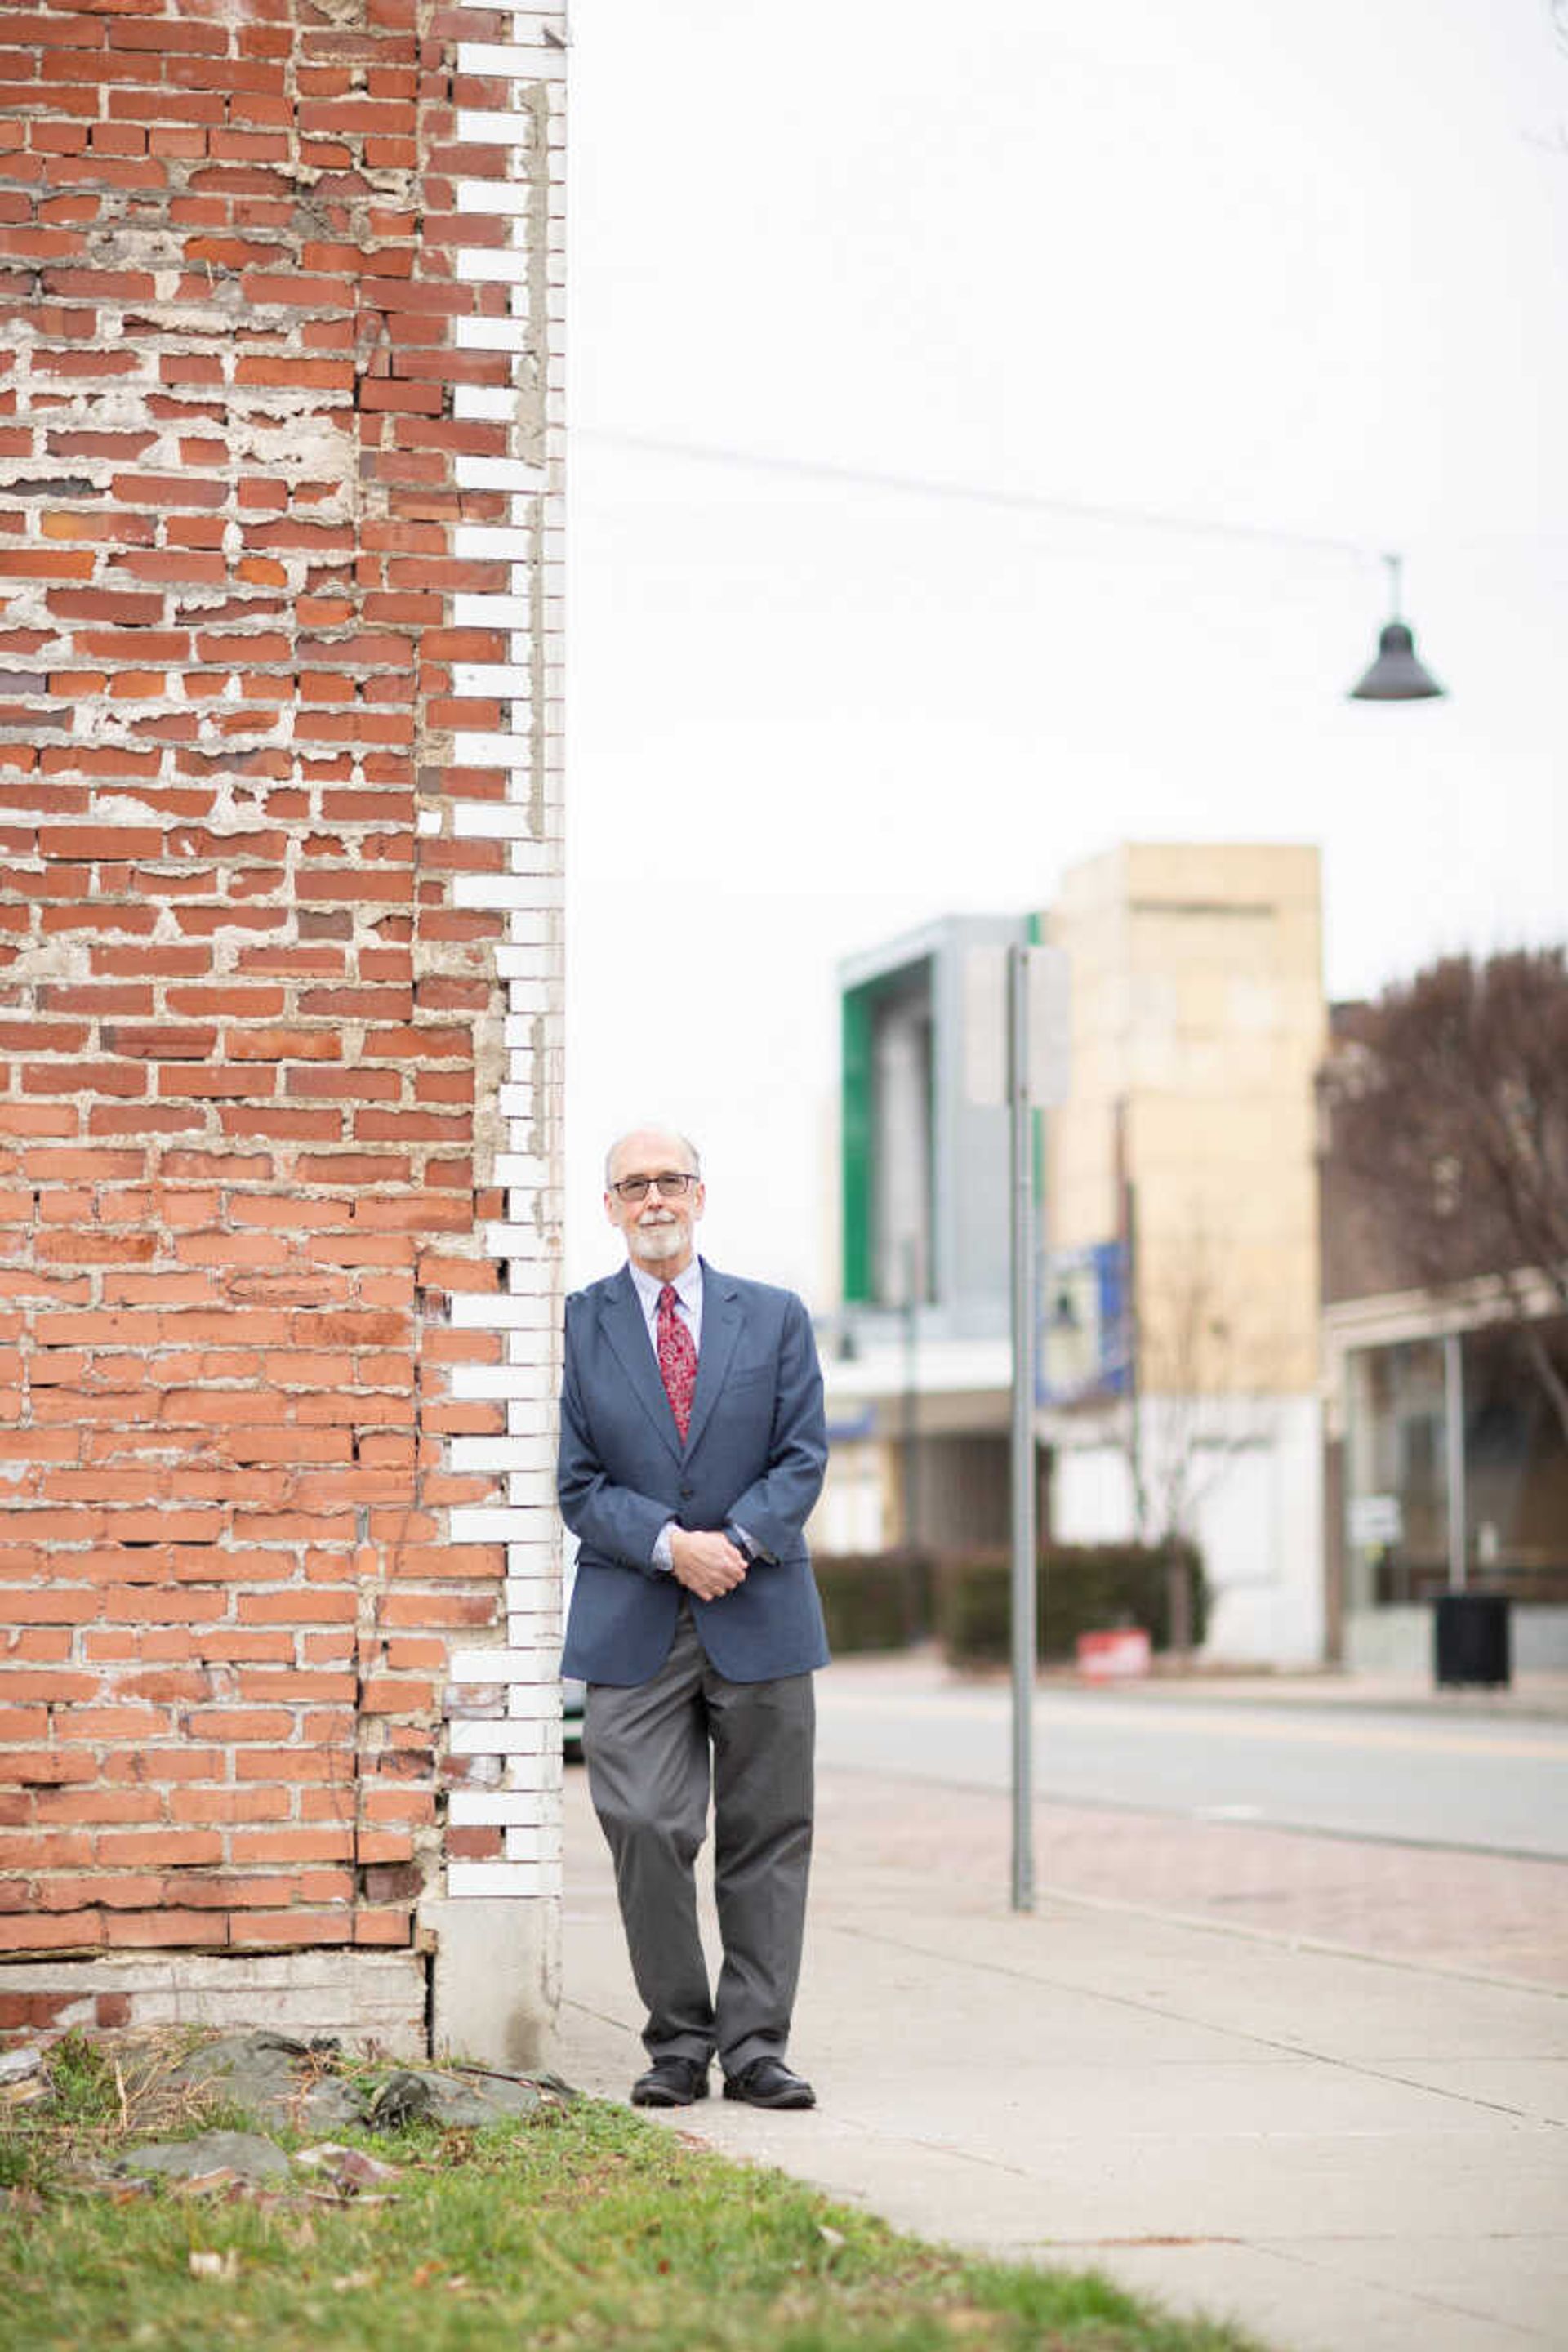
x=768, y=2083
x=670, y=2082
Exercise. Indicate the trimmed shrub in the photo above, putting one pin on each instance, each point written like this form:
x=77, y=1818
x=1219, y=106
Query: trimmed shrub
x=1083, y=1589
x=874, y=1601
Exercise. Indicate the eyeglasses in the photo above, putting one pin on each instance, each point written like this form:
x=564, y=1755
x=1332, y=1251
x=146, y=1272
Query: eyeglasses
x=671, y=1183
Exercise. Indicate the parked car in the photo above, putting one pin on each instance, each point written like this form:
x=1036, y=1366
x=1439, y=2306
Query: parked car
x=573, y=1694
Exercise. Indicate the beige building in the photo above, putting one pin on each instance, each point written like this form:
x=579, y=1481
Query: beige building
x=1179, y=1283
x=1188, y=1137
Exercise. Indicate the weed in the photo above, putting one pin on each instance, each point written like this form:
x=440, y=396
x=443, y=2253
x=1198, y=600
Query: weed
x=574, y=2229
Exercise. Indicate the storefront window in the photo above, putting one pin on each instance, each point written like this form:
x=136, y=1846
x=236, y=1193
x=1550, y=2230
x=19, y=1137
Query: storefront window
x=1398, y=1520
x=1515, y=1461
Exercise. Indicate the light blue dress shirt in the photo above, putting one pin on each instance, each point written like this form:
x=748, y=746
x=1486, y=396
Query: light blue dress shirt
x=688, y=1288
x=689, y=1300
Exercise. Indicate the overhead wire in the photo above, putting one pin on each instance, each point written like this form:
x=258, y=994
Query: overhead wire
x=968, y=493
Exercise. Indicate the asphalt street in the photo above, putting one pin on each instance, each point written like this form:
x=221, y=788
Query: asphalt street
x=1486, y=1784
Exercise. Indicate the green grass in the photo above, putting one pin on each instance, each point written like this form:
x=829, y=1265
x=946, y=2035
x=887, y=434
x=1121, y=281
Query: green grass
x=582, y=2227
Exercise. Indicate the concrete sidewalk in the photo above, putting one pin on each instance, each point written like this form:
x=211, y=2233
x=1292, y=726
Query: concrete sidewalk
x=1347, y=2154
x=1542, y=1697
x=1531, y=1696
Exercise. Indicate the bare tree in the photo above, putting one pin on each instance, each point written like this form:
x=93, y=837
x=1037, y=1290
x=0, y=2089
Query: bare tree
x=1205, y=1365
x=1447, y=1130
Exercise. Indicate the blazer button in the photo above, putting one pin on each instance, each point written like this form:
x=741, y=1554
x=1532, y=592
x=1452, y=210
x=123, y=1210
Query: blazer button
x=686, y=1494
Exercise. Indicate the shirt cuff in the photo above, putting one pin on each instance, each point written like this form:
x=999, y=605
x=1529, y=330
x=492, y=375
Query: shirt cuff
x=664, y=1549
x=747, y=1546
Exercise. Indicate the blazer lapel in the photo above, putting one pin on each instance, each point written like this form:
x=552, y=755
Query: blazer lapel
x=721, y=1320
x=621, y=1319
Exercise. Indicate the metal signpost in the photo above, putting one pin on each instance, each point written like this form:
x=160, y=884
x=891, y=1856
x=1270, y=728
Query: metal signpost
x=1019, y=995
x=1026, y=1557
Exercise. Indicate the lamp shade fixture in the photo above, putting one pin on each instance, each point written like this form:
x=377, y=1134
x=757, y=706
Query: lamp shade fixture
x=1397, y=674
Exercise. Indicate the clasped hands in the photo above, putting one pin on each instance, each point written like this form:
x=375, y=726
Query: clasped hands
x=705, y=1562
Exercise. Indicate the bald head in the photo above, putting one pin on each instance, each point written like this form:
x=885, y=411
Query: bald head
x=680, y=1152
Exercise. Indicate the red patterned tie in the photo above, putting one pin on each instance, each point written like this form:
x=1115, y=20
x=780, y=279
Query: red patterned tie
x=677, y=1360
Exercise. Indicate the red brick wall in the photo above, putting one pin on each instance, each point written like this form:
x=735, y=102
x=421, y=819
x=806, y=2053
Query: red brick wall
x=244, y=1028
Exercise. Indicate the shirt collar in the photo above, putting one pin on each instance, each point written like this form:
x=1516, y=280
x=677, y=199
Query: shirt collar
x=688, y=1287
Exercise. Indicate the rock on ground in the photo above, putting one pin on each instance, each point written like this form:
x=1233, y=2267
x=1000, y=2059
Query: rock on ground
x=245, y=2154
x=273, y=2078
x=451, y=2099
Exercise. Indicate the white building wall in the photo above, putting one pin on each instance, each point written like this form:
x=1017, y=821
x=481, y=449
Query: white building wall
x=1255, y=1514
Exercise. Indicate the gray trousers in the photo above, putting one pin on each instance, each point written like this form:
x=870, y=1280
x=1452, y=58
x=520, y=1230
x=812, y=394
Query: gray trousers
x=652, y=1753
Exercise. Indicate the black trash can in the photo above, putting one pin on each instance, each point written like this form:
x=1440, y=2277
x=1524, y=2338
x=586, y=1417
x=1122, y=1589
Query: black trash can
x=1472, y=1638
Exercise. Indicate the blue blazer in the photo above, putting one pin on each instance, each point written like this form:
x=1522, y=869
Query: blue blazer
x=755, y=1457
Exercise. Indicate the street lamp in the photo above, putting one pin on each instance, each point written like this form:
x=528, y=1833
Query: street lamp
x=1396, y=676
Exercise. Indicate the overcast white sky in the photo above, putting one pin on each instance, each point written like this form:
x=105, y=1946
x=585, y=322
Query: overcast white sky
x=1297, y=270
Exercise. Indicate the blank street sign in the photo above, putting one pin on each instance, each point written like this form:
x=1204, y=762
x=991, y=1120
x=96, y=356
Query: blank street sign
x=985, y=1025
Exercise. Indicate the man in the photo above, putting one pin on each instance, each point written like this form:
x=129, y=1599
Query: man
x=692, y=1450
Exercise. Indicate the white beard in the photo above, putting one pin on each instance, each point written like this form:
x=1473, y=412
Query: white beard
x=662, y=1240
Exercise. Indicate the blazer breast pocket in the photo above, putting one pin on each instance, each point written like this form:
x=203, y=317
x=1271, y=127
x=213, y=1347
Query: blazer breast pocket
x=747, y=1379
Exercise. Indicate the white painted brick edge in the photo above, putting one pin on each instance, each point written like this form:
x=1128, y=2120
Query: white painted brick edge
x=523, y=1879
